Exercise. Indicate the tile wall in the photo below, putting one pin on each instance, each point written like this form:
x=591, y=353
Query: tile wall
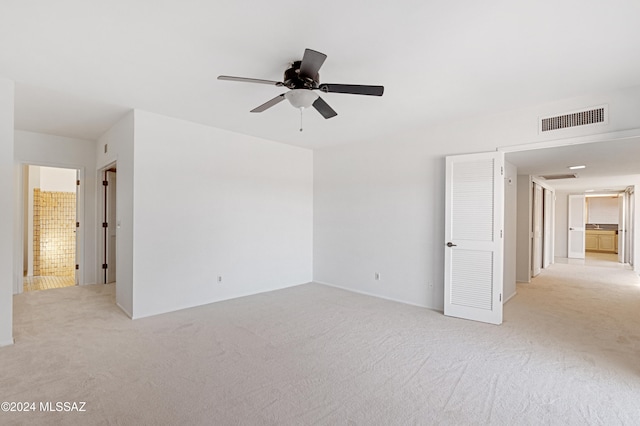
x=54, y=233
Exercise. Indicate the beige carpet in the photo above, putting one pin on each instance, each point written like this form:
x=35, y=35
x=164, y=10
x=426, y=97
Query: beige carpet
x=567, y=353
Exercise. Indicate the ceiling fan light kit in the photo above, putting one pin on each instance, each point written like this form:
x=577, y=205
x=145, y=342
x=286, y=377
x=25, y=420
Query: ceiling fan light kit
x=301, y=98
x=302, y=79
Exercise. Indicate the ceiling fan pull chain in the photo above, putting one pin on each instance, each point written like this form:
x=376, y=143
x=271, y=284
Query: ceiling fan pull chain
x=301, y=109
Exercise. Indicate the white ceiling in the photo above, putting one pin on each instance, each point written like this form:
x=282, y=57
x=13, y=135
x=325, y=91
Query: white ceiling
x=610, y=165
x=80, y=64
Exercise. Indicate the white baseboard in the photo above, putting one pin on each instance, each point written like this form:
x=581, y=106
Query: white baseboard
x=7, y=343
x=124, y=310
x=510, y=297
x=404, y=302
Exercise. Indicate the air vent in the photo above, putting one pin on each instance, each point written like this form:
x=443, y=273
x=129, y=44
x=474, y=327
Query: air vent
x=597, y=115
x=565, y=176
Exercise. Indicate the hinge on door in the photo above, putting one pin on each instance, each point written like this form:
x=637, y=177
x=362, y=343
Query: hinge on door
x=77, y=266
x=78, y=182
x=105, y=225
x=501, y=297
x=501, y=171
x=104, y=266
x=501, y=233
x=77, y=224
x=105, y=183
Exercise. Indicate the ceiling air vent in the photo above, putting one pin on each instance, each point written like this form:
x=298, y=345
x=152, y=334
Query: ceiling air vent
x=597, y=115
x=564, y=176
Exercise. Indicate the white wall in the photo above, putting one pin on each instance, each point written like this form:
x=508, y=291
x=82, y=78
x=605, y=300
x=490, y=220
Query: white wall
x=213, y=203
x=378, y=204
x=562, y=224
x=30, y=182
x=119, y=140
x=8, y=231
x=524, y=229
x=602, y=210
x=55, y=179
x=510, y=230
x=69, y=153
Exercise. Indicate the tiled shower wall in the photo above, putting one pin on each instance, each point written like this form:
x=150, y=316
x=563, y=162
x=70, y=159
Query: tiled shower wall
x=54, y=237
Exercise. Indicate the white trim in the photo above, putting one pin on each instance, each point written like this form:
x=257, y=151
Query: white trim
x=515, y=293
x=18, y=243
x=127, y=313
x=579, y=140
x=80, y=217
x=100, y=218
x=7, y=343
x=540, y=182
x=377, y=296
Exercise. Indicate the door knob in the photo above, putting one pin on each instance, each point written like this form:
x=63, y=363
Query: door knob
x=450, y=244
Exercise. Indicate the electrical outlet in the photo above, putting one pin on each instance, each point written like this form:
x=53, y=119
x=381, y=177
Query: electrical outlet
x=219, y=278
x=377, y=276
x=430, y=285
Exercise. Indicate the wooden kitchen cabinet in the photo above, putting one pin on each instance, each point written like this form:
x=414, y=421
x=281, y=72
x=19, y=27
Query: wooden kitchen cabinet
x=601, y=241
x=591, y=242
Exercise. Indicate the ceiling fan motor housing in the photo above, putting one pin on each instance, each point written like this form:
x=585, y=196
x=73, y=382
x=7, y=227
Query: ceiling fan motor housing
x=293, y=79
x=303, y=78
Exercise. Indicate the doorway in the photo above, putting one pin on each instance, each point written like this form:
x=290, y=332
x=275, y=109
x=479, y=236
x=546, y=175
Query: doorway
x=50, y=237
x=607, y=223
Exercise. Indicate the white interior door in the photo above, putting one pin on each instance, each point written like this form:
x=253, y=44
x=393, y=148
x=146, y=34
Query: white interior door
x=536, y=227
x=622, y=209
x=547, y=228
x=474, y=207
x=575, y=241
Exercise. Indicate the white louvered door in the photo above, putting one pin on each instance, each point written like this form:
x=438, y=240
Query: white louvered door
x=474, y=206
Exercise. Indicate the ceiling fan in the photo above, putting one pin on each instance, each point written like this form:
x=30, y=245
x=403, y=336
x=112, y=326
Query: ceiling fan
x=303, y=80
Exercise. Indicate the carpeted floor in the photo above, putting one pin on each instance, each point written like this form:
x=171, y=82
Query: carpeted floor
x=568, y=352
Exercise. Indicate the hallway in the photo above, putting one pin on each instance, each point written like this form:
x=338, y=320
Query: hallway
x=586, y=308
x=609, y=260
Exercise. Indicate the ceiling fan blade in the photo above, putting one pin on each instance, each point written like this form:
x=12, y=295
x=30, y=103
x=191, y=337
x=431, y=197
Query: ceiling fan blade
x=354, y=89
x=324, y=108
x=269, y=104
x=311, y=63
x=249, y=80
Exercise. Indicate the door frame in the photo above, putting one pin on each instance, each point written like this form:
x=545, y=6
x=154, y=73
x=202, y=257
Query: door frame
x=570, y=254
x=537, y=241
x=549, y=227
x=623, y=200
x=18, y=287
x=632, y=224
x=100, y=205
x=583, y=140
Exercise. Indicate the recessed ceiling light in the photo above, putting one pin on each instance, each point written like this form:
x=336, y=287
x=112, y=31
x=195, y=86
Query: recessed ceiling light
x=589, y=190
x=577, y=167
